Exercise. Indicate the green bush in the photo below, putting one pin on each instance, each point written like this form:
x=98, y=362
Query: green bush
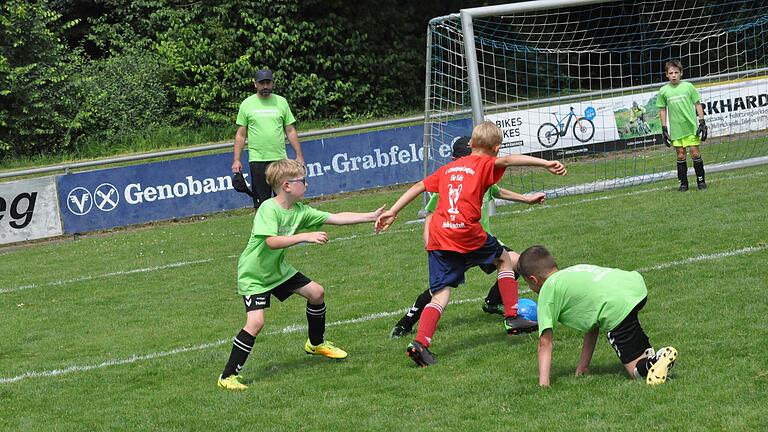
x=38, y=92
x=123, y=95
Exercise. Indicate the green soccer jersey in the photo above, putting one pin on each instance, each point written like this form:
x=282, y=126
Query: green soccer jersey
x=261, y=268
x=485, y=219
x=680, y=102
x=266, y=119
x=584, y=295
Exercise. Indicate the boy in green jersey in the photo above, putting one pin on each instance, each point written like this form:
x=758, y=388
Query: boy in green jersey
x=589, y=298
x=262, y=271
x=493, y=303
x=680, y=103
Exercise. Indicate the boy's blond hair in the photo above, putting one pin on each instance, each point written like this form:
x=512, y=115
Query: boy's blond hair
x=486, y=135
x=282, y=170
x=675, y=64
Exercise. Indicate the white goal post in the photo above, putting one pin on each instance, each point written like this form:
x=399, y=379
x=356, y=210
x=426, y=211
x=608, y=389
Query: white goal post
x=577, y=80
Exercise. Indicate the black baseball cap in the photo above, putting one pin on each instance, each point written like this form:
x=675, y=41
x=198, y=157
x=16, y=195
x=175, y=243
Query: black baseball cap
x=263, y=75
x=461, y=147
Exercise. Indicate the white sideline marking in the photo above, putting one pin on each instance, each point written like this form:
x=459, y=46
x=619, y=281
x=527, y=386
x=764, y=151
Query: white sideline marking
x=105, y=275
x=295, y=327
x=710, y=257
x=137, y=358
x=355, y=236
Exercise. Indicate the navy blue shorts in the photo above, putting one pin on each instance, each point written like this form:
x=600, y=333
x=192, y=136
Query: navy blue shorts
x=447, y=268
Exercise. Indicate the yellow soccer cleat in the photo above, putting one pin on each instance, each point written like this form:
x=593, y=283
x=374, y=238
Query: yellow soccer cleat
x=663, y=362
x=326, y=348
x=231, y=382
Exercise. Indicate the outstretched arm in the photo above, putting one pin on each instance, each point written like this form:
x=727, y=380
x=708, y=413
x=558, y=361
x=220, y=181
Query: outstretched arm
x=545, y=357
x=350, y=218
x=534, y=198
x=555, y=167
x=389, y=216
x=281, y=242
x=590, y=339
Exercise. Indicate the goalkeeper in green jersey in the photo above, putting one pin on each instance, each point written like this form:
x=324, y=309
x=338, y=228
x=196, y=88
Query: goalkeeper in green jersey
x=492, y=303
x=680, y=104
x=591, y=299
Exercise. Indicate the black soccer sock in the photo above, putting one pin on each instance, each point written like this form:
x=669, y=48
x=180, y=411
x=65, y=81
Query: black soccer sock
x=414, y=313
x=643, y=366
x=682, y=171
x=494, y=296
x=698, y=166
x=316, y=323
x=241, y=347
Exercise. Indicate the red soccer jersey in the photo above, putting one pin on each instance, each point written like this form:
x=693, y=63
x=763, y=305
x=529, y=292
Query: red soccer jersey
x=455, y=224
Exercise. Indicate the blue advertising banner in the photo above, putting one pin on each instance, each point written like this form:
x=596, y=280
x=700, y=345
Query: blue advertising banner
x=138, y=194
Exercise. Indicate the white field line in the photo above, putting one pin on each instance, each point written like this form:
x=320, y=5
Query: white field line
x=710, y=257
x=105, y=275
x=294, y=328
x=352, y=237
x=300, y=327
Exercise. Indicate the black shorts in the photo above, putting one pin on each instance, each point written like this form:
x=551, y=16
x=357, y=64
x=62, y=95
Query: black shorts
x=628, y=338
x=283, y=291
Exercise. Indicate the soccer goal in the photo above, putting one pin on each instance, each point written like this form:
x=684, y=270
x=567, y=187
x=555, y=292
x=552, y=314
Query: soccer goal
x=577, y=80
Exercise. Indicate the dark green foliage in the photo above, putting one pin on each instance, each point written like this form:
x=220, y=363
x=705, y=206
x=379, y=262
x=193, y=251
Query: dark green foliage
x=74, y=72
x=122, y=94
x=38, y=92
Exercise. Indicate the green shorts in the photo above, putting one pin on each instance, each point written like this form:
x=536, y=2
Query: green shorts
x=687, y=141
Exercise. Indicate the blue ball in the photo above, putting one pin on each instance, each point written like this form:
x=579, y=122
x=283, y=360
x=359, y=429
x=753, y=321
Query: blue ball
x=527, y=308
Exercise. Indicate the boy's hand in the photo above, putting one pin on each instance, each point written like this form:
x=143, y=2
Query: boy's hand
x=384, y=221
x=582, y=371
x=665, y=136
x=555, y=167
x=536, y=198
x=379, y=212
x=702, y=130
x=318, y=237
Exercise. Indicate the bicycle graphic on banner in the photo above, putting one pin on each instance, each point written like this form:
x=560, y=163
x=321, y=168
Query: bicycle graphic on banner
x=550, y=133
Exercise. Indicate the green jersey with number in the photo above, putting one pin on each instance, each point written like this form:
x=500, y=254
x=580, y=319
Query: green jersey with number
x=485, y=219
x=584, y=295
x=680, y=101
x=266, y=119
x=262, y=268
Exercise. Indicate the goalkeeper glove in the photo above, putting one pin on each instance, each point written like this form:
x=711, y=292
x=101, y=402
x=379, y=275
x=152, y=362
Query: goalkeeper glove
x=702, y=130
x=665, y=135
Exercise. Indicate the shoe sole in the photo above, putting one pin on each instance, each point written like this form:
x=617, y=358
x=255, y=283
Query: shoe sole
x=519, y=331
x=326, y=356
x=415, y=355
x=660, y=370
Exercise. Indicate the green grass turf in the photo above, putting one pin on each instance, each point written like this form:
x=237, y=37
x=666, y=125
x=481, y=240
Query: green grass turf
x=132, y=297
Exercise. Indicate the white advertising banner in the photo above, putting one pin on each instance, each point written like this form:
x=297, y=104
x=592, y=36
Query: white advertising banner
x=633, y=119
x=555, y=127
x=29, y=209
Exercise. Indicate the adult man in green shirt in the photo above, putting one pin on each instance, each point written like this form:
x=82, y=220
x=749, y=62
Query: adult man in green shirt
x=589, y=298
x=265, y=119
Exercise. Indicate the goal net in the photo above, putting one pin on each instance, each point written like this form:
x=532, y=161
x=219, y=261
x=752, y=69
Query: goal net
x=578, y=82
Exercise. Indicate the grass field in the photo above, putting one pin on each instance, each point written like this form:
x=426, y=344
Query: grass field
x=129, y=330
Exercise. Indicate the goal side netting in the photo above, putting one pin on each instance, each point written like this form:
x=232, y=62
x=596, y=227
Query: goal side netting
x=579, y=83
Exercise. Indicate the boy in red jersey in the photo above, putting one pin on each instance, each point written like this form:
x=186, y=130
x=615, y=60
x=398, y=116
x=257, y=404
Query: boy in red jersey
x=457, y=240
